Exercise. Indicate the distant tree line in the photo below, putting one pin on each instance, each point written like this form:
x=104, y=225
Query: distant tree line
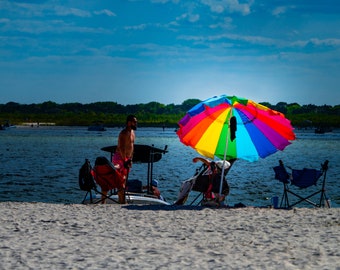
x=150, y=114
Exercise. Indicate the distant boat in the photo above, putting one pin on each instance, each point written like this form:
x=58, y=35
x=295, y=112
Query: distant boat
x=6, y=125
x=322, y=130
x=96, y=127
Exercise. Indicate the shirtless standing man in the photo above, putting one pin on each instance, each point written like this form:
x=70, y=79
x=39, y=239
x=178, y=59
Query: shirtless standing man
x=124, y=152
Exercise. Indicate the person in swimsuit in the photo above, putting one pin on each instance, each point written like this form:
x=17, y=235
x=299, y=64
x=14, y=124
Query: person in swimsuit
x=122, y=159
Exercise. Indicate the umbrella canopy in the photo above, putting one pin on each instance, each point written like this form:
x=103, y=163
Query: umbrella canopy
x=260, y=130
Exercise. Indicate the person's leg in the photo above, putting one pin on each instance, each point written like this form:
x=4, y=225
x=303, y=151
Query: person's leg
x=104, y=196
x=121, y=196
x=119, y=164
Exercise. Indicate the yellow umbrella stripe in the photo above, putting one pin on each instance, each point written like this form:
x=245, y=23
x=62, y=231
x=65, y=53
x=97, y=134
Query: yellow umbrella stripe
x=211, y=136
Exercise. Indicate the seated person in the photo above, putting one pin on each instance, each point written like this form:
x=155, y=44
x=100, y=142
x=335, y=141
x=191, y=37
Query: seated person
x=154, y=189
x=212, y=177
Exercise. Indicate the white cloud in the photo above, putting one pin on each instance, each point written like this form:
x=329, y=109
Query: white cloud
x=136, y=27
x=164, y=1
x=105, y=12
x=42, y=10
x=250, y=39
x=66, y=11
x=332, y=42
x=281, y=10
x=193, y=17
x=230, y=6
x=225, y=24
x=189, y=17
x=4, y=20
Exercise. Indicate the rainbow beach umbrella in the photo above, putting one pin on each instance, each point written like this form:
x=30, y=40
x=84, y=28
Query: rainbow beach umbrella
x=259, y=133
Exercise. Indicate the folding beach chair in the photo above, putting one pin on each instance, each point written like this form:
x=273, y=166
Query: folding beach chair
x=205, y=181
x=104, y=174
x=302, y=179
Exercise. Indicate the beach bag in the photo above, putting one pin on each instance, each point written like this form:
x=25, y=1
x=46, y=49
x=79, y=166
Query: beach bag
x=86, y=181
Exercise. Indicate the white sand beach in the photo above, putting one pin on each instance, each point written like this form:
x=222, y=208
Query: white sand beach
x=56, y=236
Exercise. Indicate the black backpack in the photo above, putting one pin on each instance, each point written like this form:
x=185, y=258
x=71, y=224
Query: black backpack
x=86, y=180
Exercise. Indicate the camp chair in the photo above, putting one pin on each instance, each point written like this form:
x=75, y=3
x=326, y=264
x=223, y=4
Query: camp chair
x=108, y=178
x=103, y=174
x=302, y=179
x=201, y=181
x=198, y=182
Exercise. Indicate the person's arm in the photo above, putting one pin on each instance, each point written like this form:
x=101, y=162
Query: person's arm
x=203, y=160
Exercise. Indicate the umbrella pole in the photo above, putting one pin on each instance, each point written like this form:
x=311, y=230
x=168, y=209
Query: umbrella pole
x=224, y=158
x=231, y=130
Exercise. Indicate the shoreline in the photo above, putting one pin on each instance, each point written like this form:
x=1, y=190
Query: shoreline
x=75, y=236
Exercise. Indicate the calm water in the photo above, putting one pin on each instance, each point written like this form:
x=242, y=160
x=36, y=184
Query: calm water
x=42, y=164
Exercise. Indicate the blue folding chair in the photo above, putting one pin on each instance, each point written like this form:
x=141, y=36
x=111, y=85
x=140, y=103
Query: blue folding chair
x=302, y=179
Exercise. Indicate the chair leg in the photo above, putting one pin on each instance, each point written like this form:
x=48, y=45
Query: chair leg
x=105, y=197
x=87, y=192
x=328, y=203
x=91, y=197
x=196, y=199
x=305, y=199
x=324, y=201
x=284, y=199
x=97, y=201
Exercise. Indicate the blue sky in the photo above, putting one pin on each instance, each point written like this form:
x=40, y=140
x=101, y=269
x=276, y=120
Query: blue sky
x=138, y=51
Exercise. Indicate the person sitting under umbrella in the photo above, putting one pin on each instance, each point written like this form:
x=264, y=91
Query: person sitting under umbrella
x=212, y=196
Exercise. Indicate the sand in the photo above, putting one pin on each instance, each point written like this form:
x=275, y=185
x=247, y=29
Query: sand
x=73, y=236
